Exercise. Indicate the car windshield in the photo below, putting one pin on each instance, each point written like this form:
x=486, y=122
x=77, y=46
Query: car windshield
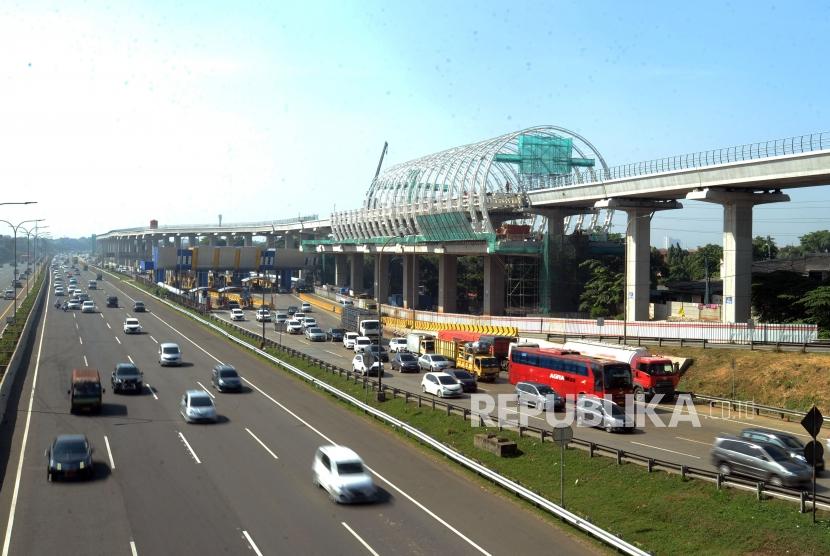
x=314, y=331
x=364, y=341
x=447, y=380
x=200, y=401
x=617, y=376
x=439, y=358
x=132, y=321
x=87, y=389
x=337, y=331
x=170, y=350
x=69, y=449
x=228, y=373
x=545, y=390
x=407, y=358
x=126, y=370
x=369, y=325
x=661, y=369
x=349, y=468
x=139, y=304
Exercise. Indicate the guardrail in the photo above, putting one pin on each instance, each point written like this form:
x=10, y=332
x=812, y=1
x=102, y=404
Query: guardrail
x=533, y=497
x=752, y=407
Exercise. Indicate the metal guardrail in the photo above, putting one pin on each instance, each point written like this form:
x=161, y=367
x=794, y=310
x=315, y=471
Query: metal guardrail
x=752, y=407
x=533, y=497
x=740, y=153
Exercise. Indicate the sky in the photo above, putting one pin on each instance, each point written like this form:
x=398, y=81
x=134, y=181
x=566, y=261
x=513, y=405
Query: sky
x=116, y=113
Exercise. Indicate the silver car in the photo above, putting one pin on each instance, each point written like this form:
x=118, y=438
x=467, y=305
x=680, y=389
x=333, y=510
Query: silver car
x=197, y=406
x=315, y=334
x=603, y=414
x=434, y=362
x=538, y=395
x=762, y=460
x=169, y=354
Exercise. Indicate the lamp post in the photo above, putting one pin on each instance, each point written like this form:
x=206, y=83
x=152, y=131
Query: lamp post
x=381, y=394
x=625, y=273
x=15, y=228
x=29, y=234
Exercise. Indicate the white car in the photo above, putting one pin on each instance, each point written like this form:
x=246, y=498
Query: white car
x=280, y=318
x=359, y=366
x=263, y=315
x=361, y=342
x=237, y=314
x=305, y=307
x=348, y=340
x=59, y=291
x=294, y=326
x=340, y=472
x=443, y=385
x=132, y=326
x=88, y=307
x=309, y=322
x=397, y=344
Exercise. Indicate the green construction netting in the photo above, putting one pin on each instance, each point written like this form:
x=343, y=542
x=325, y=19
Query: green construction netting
x=544, y=155
x=449, y=226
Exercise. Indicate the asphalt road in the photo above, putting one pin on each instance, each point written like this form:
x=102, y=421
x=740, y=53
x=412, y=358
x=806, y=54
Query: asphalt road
x=7, y=305
x=241, y=486
x=684, y=444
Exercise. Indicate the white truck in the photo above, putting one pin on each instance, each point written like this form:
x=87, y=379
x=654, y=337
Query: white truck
x=418, y=342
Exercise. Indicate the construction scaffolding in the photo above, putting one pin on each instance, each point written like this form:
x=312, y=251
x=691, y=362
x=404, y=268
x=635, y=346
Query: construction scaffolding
x=522, y=281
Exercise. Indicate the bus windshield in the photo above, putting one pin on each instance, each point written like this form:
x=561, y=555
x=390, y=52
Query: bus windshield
x=616, y=376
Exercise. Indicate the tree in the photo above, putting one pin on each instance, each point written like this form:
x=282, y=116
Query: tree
x=764, y=248
x=816, y=304
x=774, y=296
x=790, y=252
x=709, y=256
x=677, y=261
x=816, y=242
x=603, y=294
x=659, y=267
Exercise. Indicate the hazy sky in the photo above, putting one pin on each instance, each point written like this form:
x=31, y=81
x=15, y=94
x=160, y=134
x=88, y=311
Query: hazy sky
x=113, y=113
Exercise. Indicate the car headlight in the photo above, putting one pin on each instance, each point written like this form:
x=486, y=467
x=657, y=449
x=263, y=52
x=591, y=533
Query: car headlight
x=799, y=457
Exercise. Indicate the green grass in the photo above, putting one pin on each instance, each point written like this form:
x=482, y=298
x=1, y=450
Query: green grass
x=657, y=512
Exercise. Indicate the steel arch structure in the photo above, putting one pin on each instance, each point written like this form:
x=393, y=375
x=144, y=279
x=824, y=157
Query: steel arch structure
x=472, y=180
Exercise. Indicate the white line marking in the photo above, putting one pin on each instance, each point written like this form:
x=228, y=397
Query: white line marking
x=335, y=354
x=102, y=315
x=109, y=452
x=695, y=441
x=748, y=424
x=86, y=363
x=13, y=507
x=252, y=543
x=153, y=392
x=74, y=315
x=261, y=443
x=76, y=326
x=187, y=444
x=375, y=473
x=108, y=326
x=131, y=360
x=156, y=341
x=81, y=340
x=355, y=535
x=117, y=340
x=208, y=392
x=664, y=449
x=132, y=548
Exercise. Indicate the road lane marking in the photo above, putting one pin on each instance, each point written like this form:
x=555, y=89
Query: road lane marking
x=108, y=326
x=81, y=340
x=208, y=392
x=261, y=443
x=153, y=392
x=74, y=315
x=131, y=360
x=13, y=507
x=102, y=315
x=156, y=341
x=252, y=543
x=86, y=364
x=355, y=535
x=695, y=441
x=109, y=452
x=117, y=340
x=664, y=450
x=76, y=326
x=373, y=472
x=335, y=354
x=133, y=549
x=187, y=444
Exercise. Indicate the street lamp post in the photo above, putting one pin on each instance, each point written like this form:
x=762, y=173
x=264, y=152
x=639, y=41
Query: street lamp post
x=381, y=394
x=14, y=314
x=29, y=234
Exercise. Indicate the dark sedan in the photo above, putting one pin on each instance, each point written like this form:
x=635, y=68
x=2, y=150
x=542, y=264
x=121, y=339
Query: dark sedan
x=126, y=378
x=377, y=352
x=405, y=363
x=226, y=379
x=138, y=307
x=467, y=380
x=69, y=455
x=335, y=334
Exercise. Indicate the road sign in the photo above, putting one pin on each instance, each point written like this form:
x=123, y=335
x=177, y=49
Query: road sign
x=813, y=451
x=812, y=421
x=563, y=434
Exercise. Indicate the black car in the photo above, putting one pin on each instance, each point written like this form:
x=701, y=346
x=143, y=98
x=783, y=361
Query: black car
x=69, y=455
x=405, y=363
x=335, y=334
x=99, y=276
x=112, y=301
x=292, y=309
x=138, y=307
x=126, y=378
x=226, y=379
x=467, y=379
x=376, y=350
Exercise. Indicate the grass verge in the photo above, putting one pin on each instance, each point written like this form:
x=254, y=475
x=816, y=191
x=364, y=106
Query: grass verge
x=658, y=512
x=12, y=333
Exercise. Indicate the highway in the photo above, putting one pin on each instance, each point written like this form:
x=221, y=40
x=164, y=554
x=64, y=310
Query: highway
x=685, y=444
x=7, y=305
x=241, y=486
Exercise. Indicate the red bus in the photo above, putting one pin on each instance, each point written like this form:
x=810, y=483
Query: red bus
x=569, y=372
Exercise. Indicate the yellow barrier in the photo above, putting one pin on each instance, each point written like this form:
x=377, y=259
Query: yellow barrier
x=330, y=307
